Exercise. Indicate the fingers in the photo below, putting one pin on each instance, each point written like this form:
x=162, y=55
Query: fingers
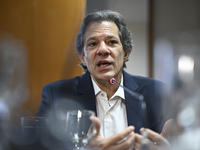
x=120, y=141
x=121, y=135
x=155, y=137
x=128, y=143
x=167, y=127
x=96, y=121
x=138, y=139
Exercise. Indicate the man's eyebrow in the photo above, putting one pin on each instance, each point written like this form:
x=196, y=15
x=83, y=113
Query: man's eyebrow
x=108, y=37
x=90, y=38
x=112, y=37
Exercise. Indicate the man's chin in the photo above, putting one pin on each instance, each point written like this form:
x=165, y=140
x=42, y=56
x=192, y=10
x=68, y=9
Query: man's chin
x=106, y=77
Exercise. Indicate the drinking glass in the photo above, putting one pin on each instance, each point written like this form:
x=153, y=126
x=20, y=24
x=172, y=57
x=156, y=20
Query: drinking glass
x=79, y=127
x=33, y=130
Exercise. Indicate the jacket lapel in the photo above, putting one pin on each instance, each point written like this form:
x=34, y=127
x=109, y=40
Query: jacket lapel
x=133, y=104
x=86, y=92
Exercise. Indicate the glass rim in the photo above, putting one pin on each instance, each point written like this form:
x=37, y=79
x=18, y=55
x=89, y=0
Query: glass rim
x=33, y=117
x=84, y=111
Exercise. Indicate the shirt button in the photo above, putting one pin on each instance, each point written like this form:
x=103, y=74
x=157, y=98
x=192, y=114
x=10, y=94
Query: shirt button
x=102, y=94
x=108, y=113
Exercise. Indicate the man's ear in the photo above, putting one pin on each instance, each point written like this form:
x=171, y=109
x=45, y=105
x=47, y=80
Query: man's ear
x=81, y=57
x=126, y=54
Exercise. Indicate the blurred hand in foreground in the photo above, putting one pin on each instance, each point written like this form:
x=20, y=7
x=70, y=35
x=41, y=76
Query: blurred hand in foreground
x=154, y=140
x=123, y=140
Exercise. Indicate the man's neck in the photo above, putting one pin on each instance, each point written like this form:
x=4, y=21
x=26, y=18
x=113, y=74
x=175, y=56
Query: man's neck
x=107, y=87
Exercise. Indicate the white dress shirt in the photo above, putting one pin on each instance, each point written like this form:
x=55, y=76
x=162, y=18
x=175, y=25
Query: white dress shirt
x=112, y=112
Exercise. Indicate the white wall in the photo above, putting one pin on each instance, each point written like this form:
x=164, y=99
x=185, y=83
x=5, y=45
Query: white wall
x=138, y=60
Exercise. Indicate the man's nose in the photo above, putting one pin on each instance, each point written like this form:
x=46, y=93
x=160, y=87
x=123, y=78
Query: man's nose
x=103, y=49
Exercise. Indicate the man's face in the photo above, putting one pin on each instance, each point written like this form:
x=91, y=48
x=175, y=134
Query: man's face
x=103, y=51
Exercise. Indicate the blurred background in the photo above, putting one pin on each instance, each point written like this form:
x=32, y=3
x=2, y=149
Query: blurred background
x=37, y=44
x=47, y=29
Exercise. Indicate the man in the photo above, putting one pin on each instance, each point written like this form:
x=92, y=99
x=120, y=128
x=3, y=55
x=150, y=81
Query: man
x=104, y=45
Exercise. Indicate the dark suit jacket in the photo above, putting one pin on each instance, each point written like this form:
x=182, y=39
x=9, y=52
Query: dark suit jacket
x=78, y=93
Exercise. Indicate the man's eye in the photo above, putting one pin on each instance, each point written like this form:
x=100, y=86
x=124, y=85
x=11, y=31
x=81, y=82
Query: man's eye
x=112, y=42
x=92, y=44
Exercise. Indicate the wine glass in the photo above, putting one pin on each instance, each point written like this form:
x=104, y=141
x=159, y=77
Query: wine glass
x=79, y=127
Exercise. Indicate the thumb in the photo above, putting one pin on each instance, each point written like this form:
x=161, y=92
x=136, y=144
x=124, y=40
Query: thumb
x=96, y=121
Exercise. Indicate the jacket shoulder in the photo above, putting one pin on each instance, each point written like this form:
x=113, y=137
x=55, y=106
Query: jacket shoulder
x=63, y=86
x=64, y=82
x=142, y=81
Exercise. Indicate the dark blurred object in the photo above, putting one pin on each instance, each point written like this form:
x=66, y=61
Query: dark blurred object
x=94, y=5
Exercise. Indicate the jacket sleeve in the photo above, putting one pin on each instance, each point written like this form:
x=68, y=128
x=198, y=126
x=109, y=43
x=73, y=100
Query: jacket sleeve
x=46, y=106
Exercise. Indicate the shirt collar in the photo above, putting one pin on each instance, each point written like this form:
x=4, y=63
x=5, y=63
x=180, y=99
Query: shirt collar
x=119, y=92
x=96, y=87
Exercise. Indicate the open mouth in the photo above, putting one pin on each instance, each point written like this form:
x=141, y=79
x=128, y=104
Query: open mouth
x=103, y=64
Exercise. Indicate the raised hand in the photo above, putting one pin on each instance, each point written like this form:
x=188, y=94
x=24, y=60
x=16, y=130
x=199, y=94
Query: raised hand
x=155, y=141
x=123, y=140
